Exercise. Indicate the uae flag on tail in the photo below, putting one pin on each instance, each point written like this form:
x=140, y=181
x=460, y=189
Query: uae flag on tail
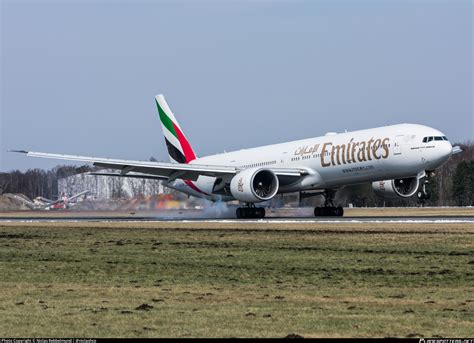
x=179, y=149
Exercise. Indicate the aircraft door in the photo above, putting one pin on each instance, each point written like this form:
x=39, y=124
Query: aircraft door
x=397, y=145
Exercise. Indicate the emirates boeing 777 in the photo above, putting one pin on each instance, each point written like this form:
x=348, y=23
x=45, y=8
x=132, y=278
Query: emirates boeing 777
x=398, y=160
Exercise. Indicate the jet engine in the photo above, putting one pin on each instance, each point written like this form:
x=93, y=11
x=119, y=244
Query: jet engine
x=254, y=185
x=398, y=188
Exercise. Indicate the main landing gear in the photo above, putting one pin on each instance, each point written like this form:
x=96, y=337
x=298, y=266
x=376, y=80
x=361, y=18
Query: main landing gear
x=329, y=210
x=250, y=212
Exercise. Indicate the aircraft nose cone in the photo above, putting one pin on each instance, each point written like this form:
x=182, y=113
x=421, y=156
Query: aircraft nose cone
x=449, y=147
x=446, y=150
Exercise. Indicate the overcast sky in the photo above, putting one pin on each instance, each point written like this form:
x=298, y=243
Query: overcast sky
x=79, y=77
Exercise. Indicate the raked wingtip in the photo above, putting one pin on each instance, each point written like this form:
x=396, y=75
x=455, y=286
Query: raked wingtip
x=19, y=151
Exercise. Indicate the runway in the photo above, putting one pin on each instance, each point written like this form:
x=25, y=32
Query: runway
x=329, y=220
x=227, y=215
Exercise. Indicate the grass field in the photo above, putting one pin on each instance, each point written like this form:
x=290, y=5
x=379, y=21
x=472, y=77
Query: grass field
x=94, y=279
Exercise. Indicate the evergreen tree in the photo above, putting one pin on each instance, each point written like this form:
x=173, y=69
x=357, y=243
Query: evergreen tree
x=463, y=183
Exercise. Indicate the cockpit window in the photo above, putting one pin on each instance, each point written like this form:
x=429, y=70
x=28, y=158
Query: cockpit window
x=434, y=138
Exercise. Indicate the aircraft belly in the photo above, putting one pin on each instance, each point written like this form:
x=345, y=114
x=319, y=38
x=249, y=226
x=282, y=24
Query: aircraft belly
x=349, y=173
x=202, y=188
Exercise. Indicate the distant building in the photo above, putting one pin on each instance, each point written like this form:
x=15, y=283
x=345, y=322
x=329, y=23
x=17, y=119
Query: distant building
x=110, y=187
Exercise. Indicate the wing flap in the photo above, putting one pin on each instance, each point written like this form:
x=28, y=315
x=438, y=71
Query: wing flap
x=136, y=176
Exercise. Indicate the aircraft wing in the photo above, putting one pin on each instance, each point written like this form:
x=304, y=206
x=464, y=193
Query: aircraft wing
x=168, y=171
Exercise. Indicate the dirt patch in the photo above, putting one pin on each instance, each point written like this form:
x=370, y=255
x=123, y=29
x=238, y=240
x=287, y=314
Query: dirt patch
x=144, y=307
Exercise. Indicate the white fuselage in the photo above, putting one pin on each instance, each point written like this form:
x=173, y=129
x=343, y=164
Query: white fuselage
x=336, y=160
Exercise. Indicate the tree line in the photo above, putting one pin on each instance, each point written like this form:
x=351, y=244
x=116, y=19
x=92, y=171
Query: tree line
x=453, y=184
x=37, y=182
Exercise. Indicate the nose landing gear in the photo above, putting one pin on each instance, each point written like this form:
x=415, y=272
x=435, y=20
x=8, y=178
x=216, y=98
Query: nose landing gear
x=329, y=210
x=423, y=194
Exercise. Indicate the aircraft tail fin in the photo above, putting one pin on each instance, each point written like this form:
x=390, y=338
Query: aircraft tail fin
x=179, y=149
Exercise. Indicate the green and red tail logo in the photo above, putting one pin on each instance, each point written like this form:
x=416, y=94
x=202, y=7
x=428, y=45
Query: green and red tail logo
x=179, y=149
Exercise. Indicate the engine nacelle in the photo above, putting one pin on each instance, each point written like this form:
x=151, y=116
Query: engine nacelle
x=395, y=189
x=254, y=185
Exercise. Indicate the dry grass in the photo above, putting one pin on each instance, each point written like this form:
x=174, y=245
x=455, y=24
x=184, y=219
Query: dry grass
x=236, y=280
x=339, y=227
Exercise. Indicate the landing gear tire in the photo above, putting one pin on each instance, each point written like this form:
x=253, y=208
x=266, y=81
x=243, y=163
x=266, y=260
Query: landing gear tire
x=317, y=211
x=329, y=211
x=422, y=193
x=250, y=212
